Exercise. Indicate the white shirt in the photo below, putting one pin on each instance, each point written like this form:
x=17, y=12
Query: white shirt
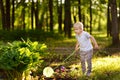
x=84, y=41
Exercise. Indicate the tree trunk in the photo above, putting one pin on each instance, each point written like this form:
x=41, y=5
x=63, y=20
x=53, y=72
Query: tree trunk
x=60, y=17
x=36, y=16
x=115, y=31
x=42, y=21
x=74, y=14
x=47, y=21
x=79, y=9
x=23, y=15
x=3, y=15
x=67, y=20
x=119, y=18
x=108, y=20
x=83, y=18
x=51, y=14
x=8, y=15
x=90, y=16
x=13, y=13
x=32, y=14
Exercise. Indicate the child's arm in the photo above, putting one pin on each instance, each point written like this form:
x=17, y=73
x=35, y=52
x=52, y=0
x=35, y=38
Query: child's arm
x=94, y=42
x=77, y=46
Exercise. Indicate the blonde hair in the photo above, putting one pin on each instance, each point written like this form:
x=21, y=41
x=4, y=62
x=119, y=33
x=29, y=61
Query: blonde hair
x=78, y=24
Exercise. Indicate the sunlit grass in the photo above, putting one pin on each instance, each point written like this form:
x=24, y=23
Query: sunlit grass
x=65, y=42
x=104, y=68
x=108, y=63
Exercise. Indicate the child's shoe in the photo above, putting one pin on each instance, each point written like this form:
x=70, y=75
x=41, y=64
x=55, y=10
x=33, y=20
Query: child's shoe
x=88, y=74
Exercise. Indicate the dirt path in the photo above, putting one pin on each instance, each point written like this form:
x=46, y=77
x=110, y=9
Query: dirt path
x=62, y=50
x=68, y=50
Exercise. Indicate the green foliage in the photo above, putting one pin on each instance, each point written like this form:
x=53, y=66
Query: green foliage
x=34, y=35
x=21, y=55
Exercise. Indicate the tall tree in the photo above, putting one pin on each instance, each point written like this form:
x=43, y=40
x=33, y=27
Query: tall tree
x=74, y=14
x=32, y=13
x=51, y=14
x=67, y=20
x=3, y=14
x=36, y=16
x=8, y=14
x=13, y=13
x=90, y=16
x=79, y=9
x=108, y=19
x=60, y=16
x=23, y=14
x=115, y=31
x=119, y=17
x=43, y=16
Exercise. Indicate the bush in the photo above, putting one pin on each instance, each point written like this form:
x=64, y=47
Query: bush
x=19, y=56
x=34, y=35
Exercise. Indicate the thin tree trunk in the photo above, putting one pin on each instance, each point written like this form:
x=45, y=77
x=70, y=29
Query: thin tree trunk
x=90, y=16
x=23, y=15
x=42, y=22
x=32, y=14
x=3, y=15
x=60, y=17
x=119, y=18
x=47, y=21
x=84, y=21
x=13, y=13
x=99, y=23
x=74, y=14
x=51, y=14
x=67, y=20
x=8, y=15
x=79, y=10
x=115, y=33
x=108, y=20
x=36, y=16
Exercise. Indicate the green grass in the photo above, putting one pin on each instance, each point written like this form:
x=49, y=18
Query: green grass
x=104, y=68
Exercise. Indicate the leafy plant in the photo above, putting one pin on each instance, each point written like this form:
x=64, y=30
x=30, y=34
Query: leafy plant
x=21, y=55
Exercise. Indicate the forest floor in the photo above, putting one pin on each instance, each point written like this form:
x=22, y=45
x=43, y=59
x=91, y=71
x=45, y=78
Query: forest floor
x=106, y=60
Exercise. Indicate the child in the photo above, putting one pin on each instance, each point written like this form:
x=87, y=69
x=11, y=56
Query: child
x=85, y=46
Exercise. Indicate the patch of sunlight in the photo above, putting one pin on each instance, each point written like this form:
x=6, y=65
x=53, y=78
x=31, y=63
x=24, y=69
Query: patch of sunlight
x=99, y=34
x=106, y=63
x=74, y=66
